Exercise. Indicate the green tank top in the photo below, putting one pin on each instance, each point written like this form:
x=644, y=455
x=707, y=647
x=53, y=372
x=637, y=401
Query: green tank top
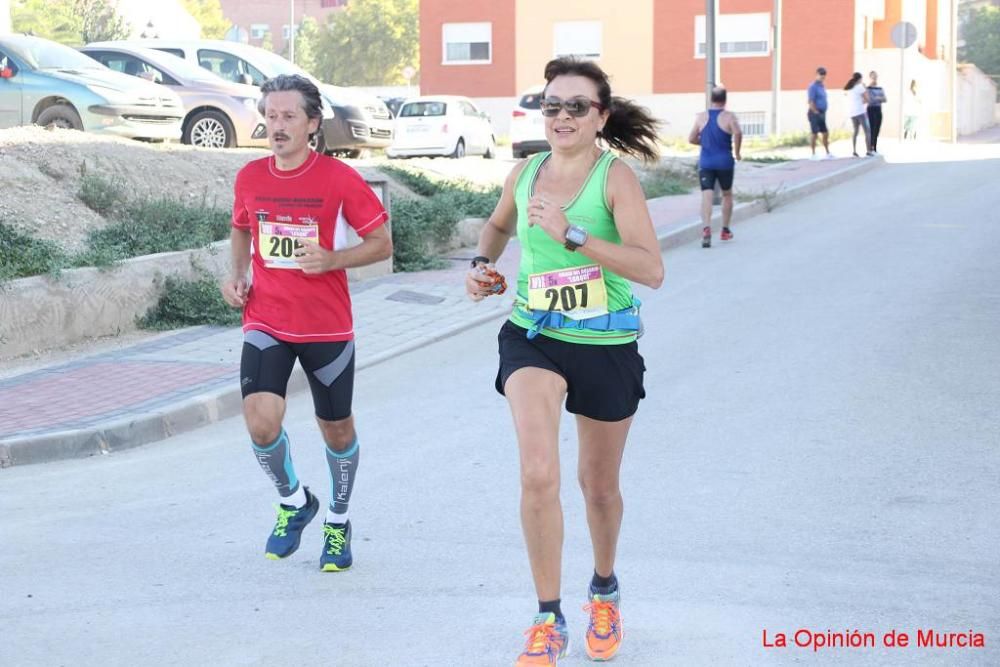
x=539, y=253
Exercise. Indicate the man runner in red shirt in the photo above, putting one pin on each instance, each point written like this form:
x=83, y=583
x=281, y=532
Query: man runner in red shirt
x=292, y=210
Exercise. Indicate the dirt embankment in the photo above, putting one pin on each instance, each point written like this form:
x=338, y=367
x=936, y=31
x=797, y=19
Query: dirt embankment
x=42, y=170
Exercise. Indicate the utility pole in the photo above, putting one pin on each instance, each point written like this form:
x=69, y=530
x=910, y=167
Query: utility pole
x=291, y=30
x=711, y=49
x=776, y=69
x=953, y=67
x=712, y=67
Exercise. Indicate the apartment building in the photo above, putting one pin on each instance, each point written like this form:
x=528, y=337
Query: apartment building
x=654, y=51
x=259, y=18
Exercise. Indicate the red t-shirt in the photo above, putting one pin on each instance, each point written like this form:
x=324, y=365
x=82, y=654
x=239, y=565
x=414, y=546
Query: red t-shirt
x=316, y=201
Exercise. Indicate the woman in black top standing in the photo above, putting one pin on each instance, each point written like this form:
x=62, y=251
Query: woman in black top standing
x=876, y=98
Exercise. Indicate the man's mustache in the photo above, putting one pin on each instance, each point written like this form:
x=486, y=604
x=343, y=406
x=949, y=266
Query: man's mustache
x=279, y=135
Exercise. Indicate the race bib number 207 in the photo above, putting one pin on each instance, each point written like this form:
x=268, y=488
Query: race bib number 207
x=578, y=293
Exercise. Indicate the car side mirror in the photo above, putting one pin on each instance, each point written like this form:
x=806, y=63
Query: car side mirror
x=247, y=79
x=6, y=73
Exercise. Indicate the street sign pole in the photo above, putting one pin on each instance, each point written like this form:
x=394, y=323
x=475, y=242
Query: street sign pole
x=904, y=34
x=291, y=30
x=776, y=69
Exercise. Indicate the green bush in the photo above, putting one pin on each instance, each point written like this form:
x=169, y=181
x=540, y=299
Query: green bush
x=186, y=303
x=422, y=228
x=22, y=255
x=149, y=226
x=414, y=180
x=102, y=195
x=662, y=181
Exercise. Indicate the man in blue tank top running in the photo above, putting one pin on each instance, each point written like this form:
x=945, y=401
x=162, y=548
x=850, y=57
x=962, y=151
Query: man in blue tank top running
x=718, y=133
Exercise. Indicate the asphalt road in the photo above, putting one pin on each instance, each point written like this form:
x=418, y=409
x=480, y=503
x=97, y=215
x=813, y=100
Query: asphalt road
x=819, y=450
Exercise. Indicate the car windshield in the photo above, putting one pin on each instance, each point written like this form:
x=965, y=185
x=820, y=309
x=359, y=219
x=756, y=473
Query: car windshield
x=531, y=101
x=272, y=64
x=182, y=68
x=43, y=54
x=424, y=109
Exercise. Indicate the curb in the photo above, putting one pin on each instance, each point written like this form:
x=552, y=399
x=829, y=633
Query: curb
x=144, y=428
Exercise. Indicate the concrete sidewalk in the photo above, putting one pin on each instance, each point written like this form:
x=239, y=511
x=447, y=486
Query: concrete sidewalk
x=182, y=380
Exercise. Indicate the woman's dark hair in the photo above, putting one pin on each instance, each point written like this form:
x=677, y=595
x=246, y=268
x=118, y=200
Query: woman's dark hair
x=853, y=81
x=312, y=103
x=629, y=128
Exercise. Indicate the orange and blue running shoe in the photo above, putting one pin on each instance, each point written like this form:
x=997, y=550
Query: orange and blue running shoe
x=726, y=235
x=287, y=533
x=548, y=641
x=605, y=631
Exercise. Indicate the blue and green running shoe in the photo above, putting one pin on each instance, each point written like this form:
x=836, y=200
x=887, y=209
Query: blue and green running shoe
x=336, y=554
x=288, y=529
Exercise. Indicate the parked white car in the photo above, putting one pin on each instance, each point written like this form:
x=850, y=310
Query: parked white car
x=527, y=125
x=442, y=125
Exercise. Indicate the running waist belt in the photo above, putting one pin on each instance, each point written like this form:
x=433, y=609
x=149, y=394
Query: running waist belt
x=626, y=319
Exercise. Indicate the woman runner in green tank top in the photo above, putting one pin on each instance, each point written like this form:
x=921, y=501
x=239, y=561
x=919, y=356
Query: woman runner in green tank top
x=585, y=234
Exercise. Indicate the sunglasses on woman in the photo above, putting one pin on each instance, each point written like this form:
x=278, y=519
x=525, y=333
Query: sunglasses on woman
x=577, y=107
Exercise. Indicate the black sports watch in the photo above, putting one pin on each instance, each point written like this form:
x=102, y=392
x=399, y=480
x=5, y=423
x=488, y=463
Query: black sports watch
x=480, y=260
x=575, y=237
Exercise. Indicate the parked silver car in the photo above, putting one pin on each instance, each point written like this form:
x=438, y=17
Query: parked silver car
x=352, y=120
x=219, y=113
x=47, y=83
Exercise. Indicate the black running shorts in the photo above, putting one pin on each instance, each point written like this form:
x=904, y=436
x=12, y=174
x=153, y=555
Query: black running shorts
x=267, y=364
x=604, y=381
x=708, y=177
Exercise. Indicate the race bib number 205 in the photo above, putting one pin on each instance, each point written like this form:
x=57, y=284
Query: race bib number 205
x=278, y=242
x=578, y=293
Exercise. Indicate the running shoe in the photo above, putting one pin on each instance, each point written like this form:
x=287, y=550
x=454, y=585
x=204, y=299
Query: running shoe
x=726, y=235
x=829, y=156
x=284, y=540
x=605, y=631
x=706, y=237
x=548, y=641
x=336, y=554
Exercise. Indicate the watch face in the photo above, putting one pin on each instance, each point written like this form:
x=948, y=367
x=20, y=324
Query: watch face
x=576, y=235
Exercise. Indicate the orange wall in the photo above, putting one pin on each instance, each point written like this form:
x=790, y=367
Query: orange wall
x=815, y=32
x=883, y=28
x=932, y=42
x=494, y=80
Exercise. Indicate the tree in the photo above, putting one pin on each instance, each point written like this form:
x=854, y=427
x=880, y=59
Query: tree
x=208, y=14
x=52, y=19
x=981, y=30
x=368, y=43
x=100, y=21
x=306, y=43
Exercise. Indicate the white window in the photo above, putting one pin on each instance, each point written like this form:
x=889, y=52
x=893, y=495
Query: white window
x=739, y=35
x=259, y=30
x=467, y=43
x=284, y=31
x=752, y=123
x=577, y=38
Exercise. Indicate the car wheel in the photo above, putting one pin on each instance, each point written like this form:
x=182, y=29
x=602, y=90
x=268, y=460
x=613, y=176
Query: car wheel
x=209, y=129
x=60, y=115
x=491, y=149
x=459, y=151
x=318, y=142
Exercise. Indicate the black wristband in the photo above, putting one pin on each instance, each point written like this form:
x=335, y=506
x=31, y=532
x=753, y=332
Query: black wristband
x=480, y=260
